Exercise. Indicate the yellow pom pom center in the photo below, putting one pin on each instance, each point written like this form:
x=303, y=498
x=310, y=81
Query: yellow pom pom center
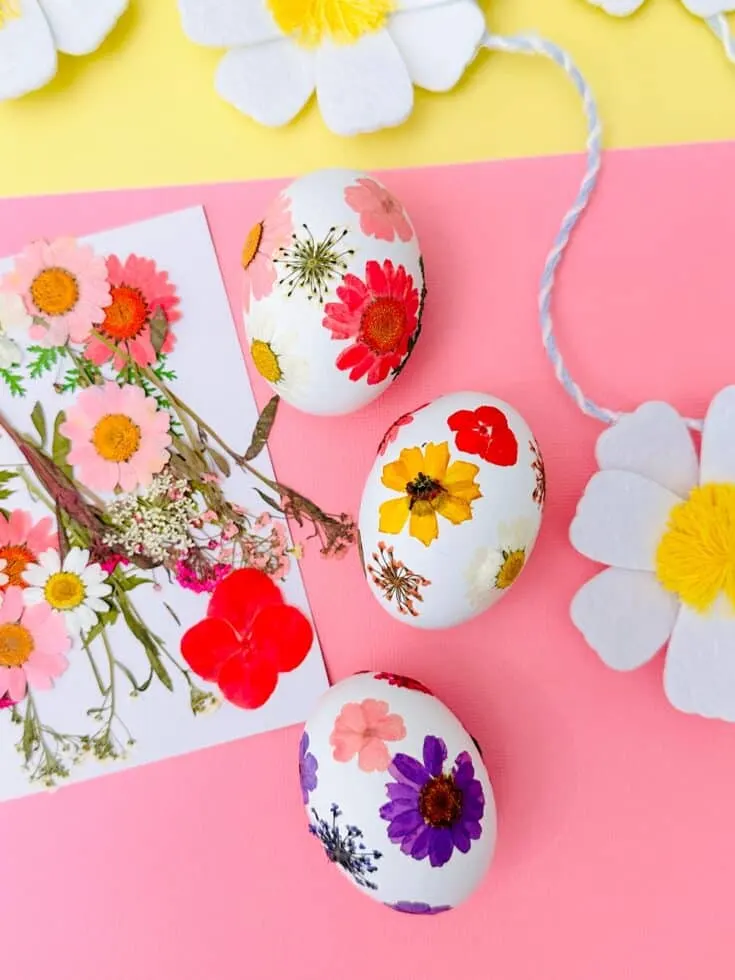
x=310, y=22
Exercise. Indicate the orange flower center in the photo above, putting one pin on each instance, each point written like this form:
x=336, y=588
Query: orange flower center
x=55, y=291
x=127, y=314
x=16, y=645
x=18, y=557
x=383, y=324
x=116, y=438
x=440, y=802
x=252, y=244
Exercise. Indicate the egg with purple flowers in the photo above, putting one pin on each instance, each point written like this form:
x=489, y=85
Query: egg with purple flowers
x=397, y=794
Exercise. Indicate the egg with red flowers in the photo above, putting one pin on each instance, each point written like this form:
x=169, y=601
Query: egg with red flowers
x=333, y=291
x=451, y=509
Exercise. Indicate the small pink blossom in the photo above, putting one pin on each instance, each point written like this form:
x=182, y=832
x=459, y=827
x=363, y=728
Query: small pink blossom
x=263, y=520
x=6, y=702
x=230, y=531
x=208, y=517
x=110, y=564
x=239, y=510
x=362, y=730
x=210, y=478
x=381, y=215
x=189, y=578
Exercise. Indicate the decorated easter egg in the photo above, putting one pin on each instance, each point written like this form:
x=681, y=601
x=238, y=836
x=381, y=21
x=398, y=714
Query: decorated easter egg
x=397, y=793
x=451, y=509
x=333, y=291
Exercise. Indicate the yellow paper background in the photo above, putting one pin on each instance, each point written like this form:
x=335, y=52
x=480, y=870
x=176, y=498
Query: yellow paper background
x=143, y=110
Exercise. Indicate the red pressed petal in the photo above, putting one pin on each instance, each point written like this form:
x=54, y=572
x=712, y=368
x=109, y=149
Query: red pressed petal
x=207, y=646
x=502, y=449
x=247, y=681
x=379, y=371
x=241, y=596
x=352, y=355
x=461, y=420
x=491, y=416
x=282, y=635
x=472, y=442
x=378, y=278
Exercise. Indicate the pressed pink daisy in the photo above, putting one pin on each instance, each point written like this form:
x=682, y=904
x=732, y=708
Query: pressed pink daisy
x=22, y=541
x=64, y=284
x=119, y=437
x=261, y=247
x=381, y=215
x=33, y=645
x=139, y=290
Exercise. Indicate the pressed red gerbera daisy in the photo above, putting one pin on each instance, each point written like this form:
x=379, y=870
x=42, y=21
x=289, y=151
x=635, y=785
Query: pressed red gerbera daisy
x=249, y=636
x=139, y=291
x=381, y=314
x=485, y=433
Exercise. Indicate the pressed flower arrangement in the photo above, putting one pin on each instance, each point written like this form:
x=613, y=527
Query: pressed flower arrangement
x=135, y=484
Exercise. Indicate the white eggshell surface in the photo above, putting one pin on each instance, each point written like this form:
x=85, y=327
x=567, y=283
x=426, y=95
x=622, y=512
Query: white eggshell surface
x=397, y=793
x=333, y=291
x=451, y=509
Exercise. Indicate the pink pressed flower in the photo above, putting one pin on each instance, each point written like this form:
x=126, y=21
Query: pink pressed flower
x=110, y=564
x=381, y=215
x=22, y=542
x=33, y=644
x=230, y=531
x=210, y=478
x=63, y=283
x=139, y=291
x=263, y=520
x=119, y=437
x=205, y=579
x=208, y=517
x=362, y=730
x=6, y=702
x=261, y=247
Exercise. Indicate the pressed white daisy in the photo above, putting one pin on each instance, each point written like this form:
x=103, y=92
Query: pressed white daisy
x=14, y=319
x=700, y=8
x=74, y=588
x=4, y=579
x=493, y=570
x=274, y=350
x=362, y=57
x=665, y=523
x=32, y=31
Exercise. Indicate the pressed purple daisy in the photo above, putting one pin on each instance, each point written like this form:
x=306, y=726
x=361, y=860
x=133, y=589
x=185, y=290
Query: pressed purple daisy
x=432, y=812
x=420, y=908
x=308, y=766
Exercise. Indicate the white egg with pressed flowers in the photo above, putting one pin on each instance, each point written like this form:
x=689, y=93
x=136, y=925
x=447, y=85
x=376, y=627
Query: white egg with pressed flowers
x=451, y=509
x=333, y=291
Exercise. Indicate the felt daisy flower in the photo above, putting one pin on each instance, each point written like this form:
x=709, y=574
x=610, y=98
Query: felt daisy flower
x=74, y=588
x=14, y=320
x=64, y=285
x=119, y=437
x=275, y=353
x=362, y=57
x=33, y=645
x=493, y=570
x=700, y=8
x=32, y=31
x=665, y=523
x=429, y=486
x=22, y=541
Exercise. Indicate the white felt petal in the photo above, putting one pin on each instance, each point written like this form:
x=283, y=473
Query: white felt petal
x=707, y=8
x=621, y=519
x=270, y=82
x=421, y=4
x=228, y=23
x=27, y=53
x=437, y=45
x=626, y=617
x=700, y=665
x=618, y=8
x=80, y=26
x=718, y=439
x=363, y=87
x=654, y=442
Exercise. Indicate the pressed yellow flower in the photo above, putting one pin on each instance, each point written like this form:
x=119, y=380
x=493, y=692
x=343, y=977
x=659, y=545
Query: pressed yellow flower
x=429, y=485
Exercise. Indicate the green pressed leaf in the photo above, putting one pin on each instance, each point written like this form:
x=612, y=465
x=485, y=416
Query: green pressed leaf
x=172, y=614
x=269, y=500
x=60, y=446
x=129, y=582
x=263, y=429
x=14, y=381
x=5, y=477
x=143, y=637
x=39, y=423
x=44, y=359
x=105, y=620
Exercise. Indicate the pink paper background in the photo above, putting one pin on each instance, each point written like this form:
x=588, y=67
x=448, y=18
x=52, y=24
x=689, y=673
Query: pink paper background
x=616, y=854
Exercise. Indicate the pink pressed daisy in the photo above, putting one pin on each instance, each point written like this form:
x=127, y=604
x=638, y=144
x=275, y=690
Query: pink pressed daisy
x=381, y=215
x=33, y=644
x=119, y=437
x=139, y=290
x=22, y=542
x=64, y=284
x=261, y=247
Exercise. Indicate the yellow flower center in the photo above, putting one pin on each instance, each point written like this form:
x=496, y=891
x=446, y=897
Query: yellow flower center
x=513, y=562
x=17, y=558
x=252, y=244
x=116, y=438
x=266, y=361
x=9, y=10
x=55, y=291
x=64, y=590
x=695, y=558
x=340, y=21
x=16, y=645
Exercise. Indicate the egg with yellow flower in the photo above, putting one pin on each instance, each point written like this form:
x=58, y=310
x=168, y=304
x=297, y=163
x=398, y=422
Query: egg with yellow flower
x=451, y=509
x=333, y=291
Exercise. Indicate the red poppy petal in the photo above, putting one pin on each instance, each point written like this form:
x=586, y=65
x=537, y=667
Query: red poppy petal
x=461, y=420
x=206, y=647
x=491, y=416
x=248, y=681
x=240, y=597
x=472, y=442
x=283, y=635
x=502, y=449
